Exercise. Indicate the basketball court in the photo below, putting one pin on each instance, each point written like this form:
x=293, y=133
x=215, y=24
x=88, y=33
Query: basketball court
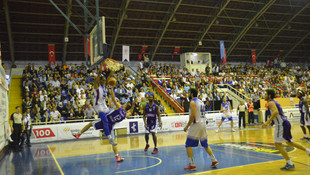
x=248, y=151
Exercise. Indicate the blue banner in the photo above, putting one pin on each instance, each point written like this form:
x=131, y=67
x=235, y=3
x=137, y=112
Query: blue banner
x=222, y=47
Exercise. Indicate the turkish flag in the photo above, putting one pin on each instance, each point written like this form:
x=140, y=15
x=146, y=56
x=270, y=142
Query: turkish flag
x=51, y=54
x=88, y=46
x=253, y=53
x=143, y=49
x=176, y=50
x=225, y=57
x=0, y=53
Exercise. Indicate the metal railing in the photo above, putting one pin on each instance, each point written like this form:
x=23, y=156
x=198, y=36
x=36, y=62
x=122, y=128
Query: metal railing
x=237, y=92
x=180, y=108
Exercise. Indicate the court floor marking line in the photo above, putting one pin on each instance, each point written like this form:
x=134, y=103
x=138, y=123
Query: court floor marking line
x=62, y=173
x=212, y=171
x=301, y=163
x=240, y=154
x=138, y=169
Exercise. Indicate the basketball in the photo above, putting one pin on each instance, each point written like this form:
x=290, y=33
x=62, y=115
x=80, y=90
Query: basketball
x=112, y=81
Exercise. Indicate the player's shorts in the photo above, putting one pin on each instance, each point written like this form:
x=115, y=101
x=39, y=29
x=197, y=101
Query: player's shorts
x=98, y=125
x=151, y=127
x=303, y=121
x=282, y=133
x=101, y=108
x=226, y=115
x=197, y=132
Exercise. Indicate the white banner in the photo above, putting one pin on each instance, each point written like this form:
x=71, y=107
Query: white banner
x=134, y=126
x=126, y=53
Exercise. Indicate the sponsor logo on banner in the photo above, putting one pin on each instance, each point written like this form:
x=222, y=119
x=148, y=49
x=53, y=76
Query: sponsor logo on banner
x=66, y=130
x=133, y=127
x=256, y=146
x=178, y=124
x=43, y=133
x=210, y=122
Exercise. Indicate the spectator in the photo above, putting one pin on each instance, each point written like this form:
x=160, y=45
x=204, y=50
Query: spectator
x=71, y=115
x=162, y=108
x=45, y=116
x=208, y=105
x=55, y=115
x=79, y=113
x=149, y=92
x=89, y=112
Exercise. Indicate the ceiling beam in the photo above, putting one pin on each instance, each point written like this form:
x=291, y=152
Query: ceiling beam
x=66, y=31
x=120, y=19
x=9, y=30
x=164, y=25
x=249, y=25
x=216, y=13
x=295, y=45
x=275, y=34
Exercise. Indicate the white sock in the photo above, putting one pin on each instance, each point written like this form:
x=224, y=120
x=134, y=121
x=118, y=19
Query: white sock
x=305, y=135
x=289, y=162
x=191, y=161
x=213, y=158
x=308, y=150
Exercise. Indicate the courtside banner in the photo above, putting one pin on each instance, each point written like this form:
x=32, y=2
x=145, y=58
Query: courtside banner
x=62, y=132
x=66, y=131
x=44, y=133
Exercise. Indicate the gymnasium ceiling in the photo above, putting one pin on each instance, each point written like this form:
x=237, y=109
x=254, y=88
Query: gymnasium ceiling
x=265, y=25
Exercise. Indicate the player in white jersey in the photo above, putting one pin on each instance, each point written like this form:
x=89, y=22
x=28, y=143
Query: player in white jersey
x=100, y=105
x=226, y=108
x=282, y=133
x=197, y=131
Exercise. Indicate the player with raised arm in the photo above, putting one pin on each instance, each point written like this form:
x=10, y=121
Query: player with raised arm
x=197, y=130
x=226, y=109
x=113, y=117
x=282, y=132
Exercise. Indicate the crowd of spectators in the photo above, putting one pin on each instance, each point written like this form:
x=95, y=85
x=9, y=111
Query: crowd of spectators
x=248, y=80
x=65, y=92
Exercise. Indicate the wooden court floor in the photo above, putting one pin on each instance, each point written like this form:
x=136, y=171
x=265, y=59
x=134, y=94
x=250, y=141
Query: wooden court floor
x=253, y=137
x=247, y=151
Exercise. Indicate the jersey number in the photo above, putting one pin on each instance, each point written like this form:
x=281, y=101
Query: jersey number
x=115, y=118
x=202, y=111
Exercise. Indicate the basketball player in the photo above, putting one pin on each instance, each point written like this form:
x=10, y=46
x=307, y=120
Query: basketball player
x=150, y=115
x=304, y=111
x=226, y=109
x=282, y=132
x=113, y=117
x=100, y=105
x=197, y=130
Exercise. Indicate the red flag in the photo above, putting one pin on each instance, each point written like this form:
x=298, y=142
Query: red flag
x=176, y=51
x=0, y=53
x=51, y=54
x=143, y=49
x=88, y=46
x=225, y=57
x=253, y=53
x=280, y=53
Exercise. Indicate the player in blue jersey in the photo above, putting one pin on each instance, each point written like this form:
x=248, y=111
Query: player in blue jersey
x=113, y=117
x=282, y=133
x=304, y=111
x=226, y=109
x=150, y=115
x=197, y=130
